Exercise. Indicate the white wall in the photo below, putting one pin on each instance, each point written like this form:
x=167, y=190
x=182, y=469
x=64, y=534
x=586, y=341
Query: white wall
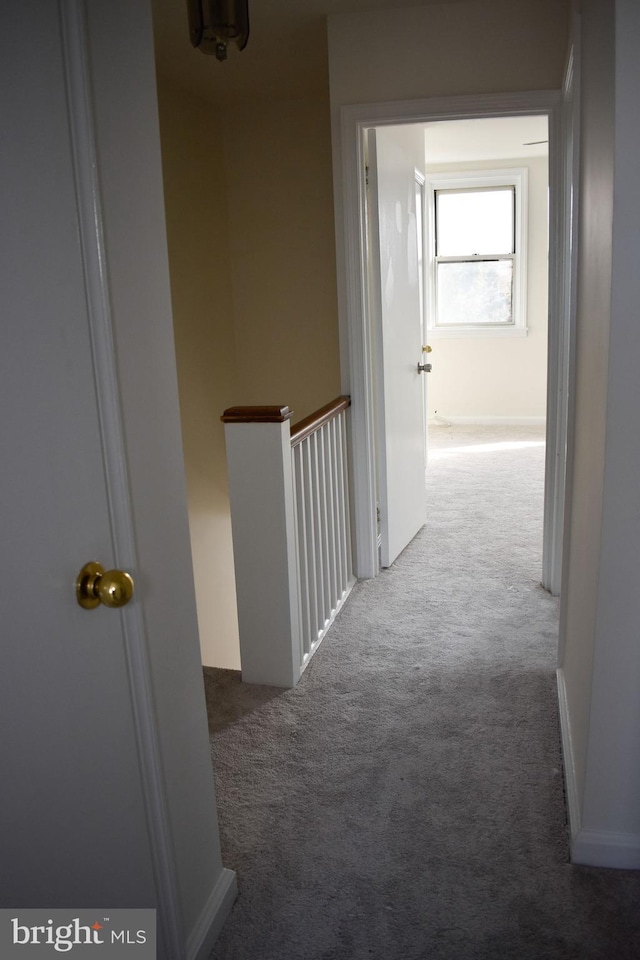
x=612, y=786
x=612, y=795
x=601, y=603
x=582, y=538
x=500, y=378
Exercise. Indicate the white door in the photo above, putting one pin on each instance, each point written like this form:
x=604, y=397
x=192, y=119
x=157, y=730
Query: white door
x=107, y=796
x=394, y=155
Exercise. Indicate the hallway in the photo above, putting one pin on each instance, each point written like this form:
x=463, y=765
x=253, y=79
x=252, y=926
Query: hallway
x=406, y=800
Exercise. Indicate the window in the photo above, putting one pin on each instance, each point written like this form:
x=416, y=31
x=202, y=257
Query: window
x=477, y=250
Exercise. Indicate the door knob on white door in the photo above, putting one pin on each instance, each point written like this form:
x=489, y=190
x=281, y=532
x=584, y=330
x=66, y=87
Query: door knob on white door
x=424, y=368
x=94, y=585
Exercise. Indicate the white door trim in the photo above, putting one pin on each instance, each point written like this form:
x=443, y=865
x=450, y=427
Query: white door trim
x=90, y=220
x=350, y=177
x=571, y=134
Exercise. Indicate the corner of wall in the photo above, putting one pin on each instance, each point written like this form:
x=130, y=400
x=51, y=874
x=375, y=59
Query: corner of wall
x=199, y=264
x=574, y=813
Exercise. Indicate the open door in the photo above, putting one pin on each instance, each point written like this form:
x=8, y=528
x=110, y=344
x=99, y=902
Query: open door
x=108, y=796
x=394, y=156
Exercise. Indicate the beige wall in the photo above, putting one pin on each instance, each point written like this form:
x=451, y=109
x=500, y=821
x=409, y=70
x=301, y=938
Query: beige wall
x=197, y=232
x=500, y=378
x=278, y=162
x=523, y=47
x=250, y=230
x=441, y=49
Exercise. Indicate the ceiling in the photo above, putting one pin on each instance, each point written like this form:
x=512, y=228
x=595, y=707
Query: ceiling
x=455, y=141
x=286, y=56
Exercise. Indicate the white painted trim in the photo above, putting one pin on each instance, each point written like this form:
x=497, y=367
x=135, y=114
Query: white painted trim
x=350, y=193
x=215, y=912
x=571, y=92
x=557, y=367
x=360, y=352
x=571, y=785
x=604, y=848
x=374, y=313
x=490, y=421
x=85, y=155
x=564, y=174
x=450, y=108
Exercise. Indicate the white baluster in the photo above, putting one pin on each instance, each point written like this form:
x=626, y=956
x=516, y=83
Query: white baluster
x=302, y=505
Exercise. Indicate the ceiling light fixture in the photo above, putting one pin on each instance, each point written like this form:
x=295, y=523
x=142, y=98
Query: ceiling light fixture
x=215, y=23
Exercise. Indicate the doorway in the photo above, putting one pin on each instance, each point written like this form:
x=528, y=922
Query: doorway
x=356, y=121
x=458, y=291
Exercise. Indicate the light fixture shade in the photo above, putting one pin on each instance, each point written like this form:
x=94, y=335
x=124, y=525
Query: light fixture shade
x=214, y=23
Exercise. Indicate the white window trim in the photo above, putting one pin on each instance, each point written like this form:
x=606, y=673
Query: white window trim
x=516, y=177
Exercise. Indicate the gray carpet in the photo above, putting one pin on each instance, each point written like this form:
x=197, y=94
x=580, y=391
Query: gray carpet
x=406, y=800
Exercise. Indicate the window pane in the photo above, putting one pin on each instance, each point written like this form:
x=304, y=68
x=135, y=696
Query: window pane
x=477, y=291
x=474, y=222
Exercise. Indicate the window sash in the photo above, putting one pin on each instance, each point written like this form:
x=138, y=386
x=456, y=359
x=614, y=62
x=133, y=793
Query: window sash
x=470, y=301
x=516, y=181
x=467, y=191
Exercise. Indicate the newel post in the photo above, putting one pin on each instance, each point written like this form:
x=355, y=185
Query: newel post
x=264, y=544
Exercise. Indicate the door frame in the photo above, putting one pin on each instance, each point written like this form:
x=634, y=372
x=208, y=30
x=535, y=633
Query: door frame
x=356, y=329
x=387, y=527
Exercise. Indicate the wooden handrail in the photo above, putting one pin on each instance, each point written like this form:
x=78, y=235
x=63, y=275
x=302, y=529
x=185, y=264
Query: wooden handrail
x=315, y=420
x=256, y=414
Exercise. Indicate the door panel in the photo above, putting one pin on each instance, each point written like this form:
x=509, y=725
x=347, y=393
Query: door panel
x=394, y=155
x=64, y=691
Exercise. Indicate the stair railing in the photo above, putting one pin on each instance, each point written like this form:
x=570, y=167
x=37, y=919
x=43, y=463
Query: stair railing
x=289, y=493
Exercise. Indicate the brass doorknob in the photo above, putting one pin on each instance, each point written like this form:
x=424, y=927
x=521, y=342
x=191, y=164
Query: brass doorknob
x=427, y=348
x=94, y=585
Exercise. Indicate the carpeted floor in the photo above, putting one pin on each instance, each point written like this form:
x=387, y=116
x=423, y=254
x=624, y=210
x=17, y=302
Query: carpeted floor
x=405, y=801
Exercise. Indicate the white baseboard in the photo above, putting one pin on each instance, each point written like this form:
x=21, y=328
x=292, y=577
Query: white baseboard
x=215, y=912
x=490, y=421
x=593, y=848
x=603, y=848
